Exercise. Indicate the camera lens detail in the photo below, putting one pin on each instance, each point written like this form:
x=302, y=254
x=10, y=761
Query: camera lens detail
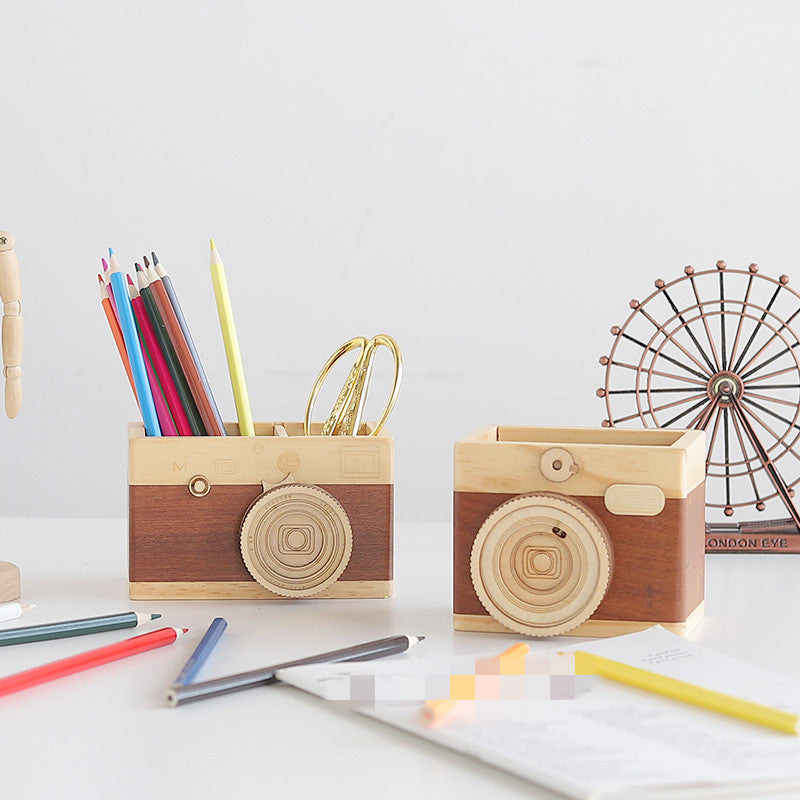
x=541, y=563
x=296, y=540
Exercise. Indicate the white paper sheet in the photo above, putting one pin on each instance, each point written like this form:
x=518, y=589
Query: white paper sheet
x=611, y=741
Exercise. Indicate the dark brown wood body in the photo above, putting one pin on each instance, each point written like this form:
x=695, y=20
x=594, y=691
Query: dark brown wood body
x=174, y=536
x=659, y=562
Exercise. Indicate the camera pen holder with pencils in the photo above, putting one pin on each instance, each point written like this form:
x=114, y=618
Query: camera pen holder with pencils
x=584, y=532
x=278, y=515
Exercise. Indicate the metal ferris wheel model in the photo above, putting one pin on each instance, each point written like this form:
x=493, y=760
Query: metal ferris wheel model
x=714, y=350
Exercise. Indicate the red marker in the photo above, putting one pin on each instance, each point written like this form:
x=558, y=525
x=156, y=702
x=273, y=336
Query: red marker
x=92, y=658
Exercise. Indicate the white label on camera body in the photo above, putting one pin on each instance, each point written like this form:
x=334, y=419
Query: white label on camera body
x=628, y=499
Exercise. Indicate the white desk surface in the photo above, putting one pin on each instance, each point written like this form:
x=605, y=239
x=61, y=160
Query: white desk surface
x=107, y=733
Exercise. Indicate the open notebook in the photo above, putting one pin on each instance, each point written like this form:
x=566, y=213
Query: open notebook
x=609, y=740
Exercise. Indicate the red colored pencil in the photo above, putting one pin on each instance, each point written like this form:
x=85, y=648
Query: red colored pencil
x=159, y=363
x=89, y=659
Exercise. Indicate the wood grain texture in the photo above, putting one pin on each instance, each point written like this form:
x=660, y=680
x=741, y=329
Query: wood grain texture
x=512, y=462
x=177, y=538
x=9, y=581
x=268, y=456
x=250, y=590
x=592, y=627
x=659, y=566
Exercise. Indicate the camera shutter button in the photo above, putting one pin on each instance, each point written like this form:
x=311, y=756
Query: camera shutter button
x=558, y=465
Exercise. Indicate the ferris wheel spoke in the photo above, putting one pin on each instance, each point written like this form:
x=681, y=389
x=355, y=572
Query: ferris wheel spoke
x=722, y=320
x=713, y=439
x=663, y=355
x=769, y=399
x=681, y=378
x=772, y=338
x=677, y=344
x=776, y=386
x=654, y=391
x=684, y=413
x=756, y=329
x=775, y=374
x=745, y=302
x=715, y=367
x=651, y=411
x=711, y=364
x=771, y=413
x=726, y=434
x=778, y=439
x=757, y=367
x=746, y=459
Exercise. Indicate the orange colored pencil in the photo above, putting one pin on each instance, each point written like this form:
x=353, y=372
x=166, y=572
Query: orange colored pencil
x=116, y=332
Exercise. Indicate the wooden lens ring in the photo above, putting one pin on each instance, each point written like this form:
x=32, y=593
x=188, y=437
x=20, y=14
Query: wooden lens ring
x=296, y=540
x=541, y=563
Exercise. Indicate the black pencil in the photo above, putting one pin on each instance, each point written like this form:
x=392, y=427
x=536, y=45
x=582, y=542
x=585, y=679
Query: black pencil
x=178, y=695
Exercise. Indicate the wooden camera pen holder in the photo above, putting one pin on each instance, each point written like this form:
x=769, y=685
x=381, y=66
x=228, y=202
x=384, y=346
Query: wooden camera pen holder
x=277, y=515
x=585, y=532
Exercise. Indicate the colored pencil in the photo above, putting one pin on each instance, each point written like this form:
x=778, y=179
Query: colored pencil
x=775, y=718
x=129, y=333
x=184, y=354
x=92, y=658
x=176, y=307
x=231, y=340
x=201, y=653
x=165, y=420
x=159, y=363
x=74, y=627
x=160, y=330
x=178, y=695
x=116, y=332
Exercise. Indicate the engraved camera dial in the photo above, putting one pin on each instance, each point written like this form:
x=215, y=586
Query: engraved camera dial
x=541, y=564
x=296, y=540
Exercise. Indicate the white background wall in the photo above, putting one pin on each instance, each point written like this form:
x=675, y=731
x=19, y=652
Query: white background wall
x=488, y=182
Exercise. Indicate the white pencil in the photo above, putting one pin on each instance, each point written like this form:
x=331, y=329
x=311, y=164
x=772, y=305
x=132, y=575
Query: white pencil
x=13, y=610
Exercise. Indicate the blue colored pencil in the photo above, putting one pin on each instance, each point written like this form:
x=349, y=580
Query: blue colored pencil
x=176, y=307
x=134, y=348
x=201, y=653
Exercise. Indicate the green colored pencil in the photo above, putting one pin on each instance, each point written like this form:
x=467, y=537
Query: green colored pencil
x=171, y=357
x=74, y=627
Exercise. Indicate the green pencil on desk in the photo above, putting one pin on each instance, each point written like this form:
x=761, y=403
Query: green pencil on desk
x=74, y=627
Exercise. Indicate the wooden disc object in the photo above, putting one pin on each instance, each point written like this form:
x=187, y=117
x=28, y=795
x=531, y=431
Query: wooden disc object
x=296, y=540
x=541, y=563
x=9, y=582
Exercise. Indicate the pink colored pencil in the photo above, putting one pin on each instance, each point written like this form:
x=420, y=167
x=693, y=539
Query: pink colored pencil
x=159, y=362
x=162, y=409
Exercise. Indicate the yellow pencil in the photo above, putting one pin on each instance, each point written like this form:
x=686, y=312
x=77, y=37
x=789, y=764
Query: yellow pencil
x=232, y=353
x=590, y=664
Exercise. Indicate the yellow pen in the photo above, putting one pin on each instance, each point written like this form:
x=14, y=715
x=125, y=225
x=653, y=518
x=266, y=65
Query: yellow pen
x=590, y=664
x=231, y=341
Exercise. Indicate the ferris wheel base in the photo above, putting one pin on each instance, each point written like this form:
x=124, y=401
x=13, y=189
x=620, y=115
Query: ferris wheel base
x=769, y=536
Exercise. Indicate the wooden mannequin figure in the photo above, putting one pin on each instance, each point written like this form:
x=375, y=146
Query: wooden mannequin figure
x=11, y=295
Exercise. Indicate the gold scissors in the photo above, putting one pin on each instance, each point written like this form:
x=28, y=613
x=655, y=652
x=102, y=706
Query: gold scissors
x=345, y=418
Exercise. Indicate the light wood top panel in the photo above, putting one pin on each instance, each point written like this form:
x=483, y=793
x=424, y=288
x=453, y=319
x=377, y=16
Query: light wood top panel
x=511, y=463
x=265, y=457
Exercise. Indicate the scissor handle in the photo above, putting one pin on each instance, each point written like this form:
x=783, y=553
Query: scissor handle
x=345, y=417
